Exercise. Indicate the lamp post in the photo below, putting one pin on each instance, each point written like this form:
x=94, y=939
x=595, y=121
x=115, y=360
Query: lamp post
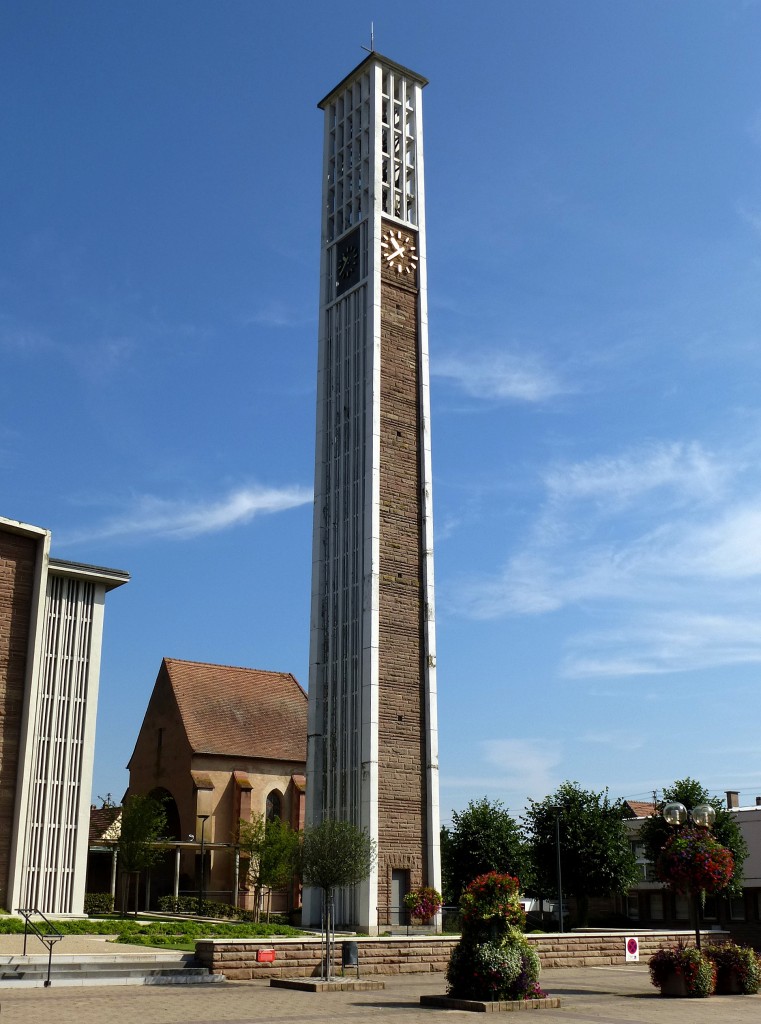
x=676, y=814
x=560, y=877
x=203, y=818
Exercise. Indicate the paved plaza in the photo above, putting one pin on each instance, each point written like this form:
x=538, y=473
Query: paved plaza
x=600, y=995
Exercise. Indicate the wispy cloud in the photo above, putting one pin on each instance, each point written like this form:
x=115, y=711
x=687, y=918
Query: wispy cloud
x=522, y=765
x=619, y=739
x=751, y=215
x=671, y=641
x=277, y=313
x=500, y=376
x=754, y=128
x=447, y=526
x=92, y=352
x=649, y=544
x=105, y=359
x=21, y=339
x=585, y=544
x=685, y=471
x=507, y=769
x=178, y=519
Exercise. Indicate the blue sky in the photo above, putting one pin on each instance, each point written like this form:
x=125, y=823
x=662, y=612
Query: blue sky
x=593, y=179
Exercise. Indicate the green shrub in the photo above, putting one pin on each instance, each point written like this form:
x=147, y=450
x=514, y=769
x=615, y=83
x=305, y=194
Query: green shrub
x=188, y=905
x=506, y=968
x=98, y=903
x=127, y=929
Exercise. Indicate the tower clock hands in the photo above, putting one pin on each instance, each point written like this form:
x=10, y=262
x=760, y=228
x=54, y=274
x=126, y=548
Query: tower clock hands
x=347, y=262
x=400, y=249
x=401, y=254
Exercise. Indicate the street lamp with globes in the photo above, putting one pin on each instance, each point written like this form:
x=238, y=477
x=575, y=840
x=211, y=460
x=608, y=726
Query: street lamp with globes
x=675, y=813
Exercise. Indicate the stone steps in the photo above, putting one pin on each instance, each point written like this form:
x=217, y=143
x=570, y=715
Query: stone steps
x=116, y=969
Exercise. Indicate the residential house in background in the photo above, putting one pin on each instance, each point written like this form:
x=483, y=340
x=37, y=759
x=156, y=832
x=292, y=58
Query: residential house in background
x=105, y=829
x=653, y=905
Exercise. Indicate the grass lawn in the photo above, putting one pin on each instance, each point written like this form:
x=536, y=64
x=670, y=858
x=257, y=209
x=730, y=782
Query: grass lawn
x=169, y=933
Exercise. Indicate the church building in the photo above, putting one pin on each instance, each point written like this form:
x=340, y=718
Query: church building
x=219, y=744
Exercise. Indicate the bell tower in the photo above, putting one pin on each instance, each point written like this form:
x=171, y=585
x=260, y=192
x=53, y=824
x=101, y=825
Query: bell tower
x=373, y=747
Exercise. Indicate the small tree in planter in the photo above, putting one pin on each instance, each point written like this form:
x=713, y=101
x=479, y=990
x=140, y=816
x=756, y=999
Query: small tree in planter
x=423, y=903
x=143, y=829
x=333, y=854
x=738, y=971
x=271, y=850
x=493, y=960
x=682, y=971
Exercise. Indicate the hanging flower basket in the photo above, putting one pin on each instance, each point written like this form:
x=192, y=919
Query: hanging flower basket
x=693, y=861
x=423, y=903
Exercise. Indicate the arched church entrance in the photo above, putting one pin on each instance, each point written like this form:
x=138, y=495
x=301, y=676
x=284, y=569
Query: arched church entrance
x=160, y=880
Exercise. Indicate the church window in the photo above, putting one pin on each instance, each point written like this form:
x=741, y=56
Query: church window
x=274, y=806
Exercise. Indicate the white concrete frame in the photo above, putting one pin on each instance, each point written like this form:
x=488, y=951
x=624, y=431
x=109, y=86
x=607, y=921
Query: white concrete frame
x=53, y=788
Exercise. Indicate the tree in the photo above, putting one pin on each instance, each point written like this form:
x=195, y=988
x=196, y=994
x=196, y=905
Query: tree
x=272, y=849
x=482, y=838
x=595, y=850
x=333, y=854
x=143, y=827
x=655, y=830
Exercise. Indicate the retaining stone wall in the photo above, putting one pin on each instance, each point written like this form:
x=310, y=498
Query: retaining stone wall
x=421, y=954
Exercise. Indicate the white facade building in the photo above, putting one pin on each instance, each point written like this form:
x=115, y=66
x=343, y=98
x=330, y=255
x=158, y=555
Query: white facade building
x=50, y=653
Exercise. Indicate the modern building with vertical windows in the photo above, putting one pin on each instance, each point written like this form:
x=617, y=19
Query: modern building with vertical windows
x=372, y=747
x=51, y=625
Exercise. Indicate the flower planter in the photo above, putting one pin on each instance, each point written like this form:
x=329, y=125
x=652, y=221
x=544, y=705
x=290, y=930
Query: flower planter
x=728, y=984
x=737, y=969
x=675, y=986
x=682, y=971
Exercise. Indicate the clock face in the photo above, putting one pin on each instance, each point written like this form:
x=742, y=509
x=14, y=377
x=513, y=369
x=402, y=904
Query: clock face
x=348, y=263
x=398, y=252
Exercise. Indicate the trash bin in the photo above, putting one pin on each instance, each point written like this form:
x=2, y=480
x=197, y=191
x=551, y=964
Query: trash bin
x=349, y=956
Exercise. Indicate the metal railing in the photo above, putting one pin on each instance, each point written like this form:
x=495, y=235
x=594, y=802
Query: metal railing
x=48, y=938
x=401, y=918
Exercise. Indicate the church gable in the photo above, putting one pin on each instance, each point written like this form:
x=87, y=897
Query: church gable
x=162, y=742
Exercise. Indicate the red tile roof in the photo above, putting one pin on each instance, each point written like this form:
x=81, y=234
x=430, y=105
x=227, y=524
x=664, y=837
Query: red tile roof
x=240, y=712
x=104, y=824
x=641, y=808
